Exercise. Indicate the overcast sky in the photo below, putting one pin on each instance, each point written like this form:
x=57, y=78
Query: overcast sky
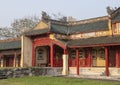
x=80, y=9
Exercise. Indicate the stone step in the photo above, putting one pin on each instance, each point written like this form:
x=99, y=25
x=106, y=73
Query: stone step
x=116, y=78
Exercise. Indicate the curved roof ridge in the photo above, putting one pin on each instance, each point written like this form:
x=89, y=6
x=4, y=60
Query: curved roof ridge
x=58, y=22
x=67, y=23
x=84, y=21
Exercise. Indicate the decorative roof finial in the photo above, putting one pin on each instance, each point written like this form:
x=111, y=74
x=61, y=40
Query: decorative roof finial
x=110, y=10
x=45, y=16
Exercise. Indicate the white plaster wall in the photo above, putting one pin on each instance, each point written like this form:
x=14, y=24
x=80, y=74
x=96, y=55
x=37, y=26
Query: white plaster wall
x=72, y=70
x=114, y=71
x=88, y=71
x=95, y=71
x=26, y=54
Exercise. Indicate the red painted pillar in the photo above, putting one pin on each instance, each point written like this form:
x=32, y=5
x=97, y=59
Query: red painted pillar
x=107, y=61
x=52, y=55
x=33, y=55
x=77, y=61
x=65, y=51
x=90, y=57
x=117, y=57
x=15, y=55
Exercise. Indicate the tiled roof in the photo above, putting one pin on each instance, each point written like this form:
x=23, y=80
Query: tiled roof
x=115, y=15
x=12, y=44
x=116, y=19
x=37, y=32
x=61, y=29
x=95, y=41
x=89, y=27
x=83, y=26
x=67, y=28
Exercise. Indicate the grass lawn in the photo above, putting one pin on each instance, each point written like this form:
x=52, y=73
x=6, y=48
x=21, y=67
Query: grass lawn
x=54, y=81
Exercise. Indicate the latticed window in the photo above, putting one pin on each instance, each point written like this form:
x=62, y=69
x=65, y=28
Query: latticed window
x=94, y=54
x=40, y=54
x=73, y=54
x=102, y=53
x=58, y=56
x=81, y=54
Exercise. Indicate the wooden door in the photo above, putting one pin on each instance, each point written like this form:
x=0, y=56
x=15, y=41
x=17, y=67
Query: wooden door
x=101, y=57
x=94, y=57
x=8, y=60
x=112, y=57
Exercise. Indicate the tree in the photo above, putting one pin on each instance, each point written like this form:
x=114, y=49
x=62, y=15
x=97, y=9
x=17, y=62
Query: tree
x=20, y=26
x=5, y=32
x=59, y=17
x=71, y=19
x=62, y=18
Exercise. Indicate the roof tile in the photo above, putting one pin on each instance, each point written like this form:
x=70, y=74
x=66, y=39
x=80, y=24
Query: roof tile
x=16, y=44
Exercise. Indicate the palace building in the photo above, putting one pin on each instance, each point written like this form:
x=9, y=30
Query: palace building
x=85, y=47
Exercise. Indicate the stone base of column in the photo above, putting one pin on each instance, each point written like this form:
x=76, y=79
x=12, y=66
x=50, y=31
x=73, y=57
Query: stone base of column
x=65, y=65
x=1, y=62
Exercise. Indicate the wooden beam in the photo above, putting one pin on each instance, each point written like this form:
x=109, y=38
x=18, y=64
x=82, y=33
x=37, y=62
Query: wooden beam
x=95, y=45
x=107, y=61
x=77, y=61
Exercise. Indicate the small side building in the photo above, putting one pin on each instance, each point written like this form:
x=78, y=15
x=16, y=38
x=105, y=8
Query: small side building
x=10, y=53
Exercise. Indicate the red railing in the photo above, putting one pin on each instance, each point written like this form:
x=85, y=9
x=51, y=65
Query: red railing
x=58, y=62
x=72, y=62
x=82, y=62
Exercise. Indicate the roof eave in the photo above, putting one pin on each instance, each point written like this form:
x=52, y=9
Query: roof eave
x=94, y=45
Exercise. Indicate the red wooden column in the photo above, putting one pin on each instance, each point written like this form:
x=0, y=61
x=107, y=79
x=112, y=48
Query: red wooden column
x=52, y=55
x=33, y=55
x=107, y=61
x=65, y=51
x=117, y=57
x=77, y=61
x=90, y=57
x=14, y=63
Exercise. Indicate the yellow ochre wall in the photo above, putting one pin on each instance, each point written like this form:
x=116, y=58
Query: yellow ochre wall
x=99, y=61
x=41, y=25
x=51, y=36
